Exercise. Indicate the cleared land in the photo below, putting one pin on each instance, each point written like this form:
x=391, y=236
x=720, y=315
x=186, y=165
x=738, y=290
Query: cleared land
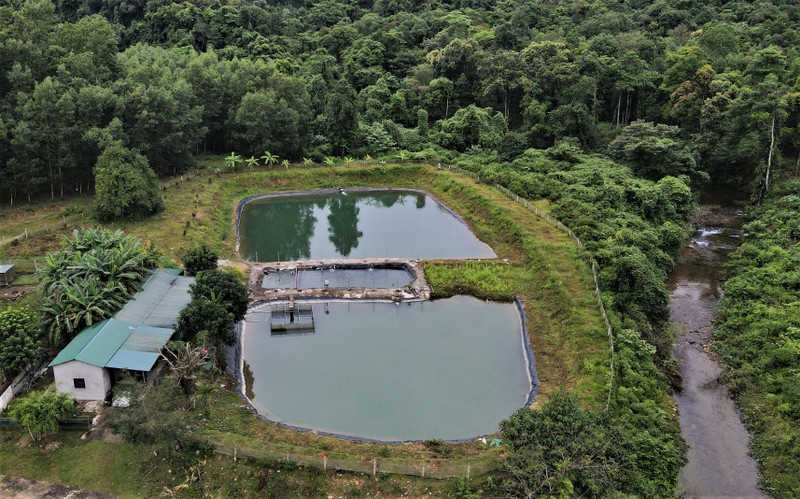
x=535, y=260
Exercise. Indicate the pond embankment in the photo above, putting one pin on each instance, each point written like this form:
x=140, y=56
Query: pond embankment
x=718, y=461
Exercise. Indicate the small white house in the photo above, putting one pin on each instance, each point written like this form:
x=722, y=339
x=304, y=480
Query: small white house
x=90, y=364
x=87, y=367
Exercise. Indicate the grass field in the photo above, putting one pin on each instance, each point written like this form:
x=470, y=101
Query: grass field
x=535, y=261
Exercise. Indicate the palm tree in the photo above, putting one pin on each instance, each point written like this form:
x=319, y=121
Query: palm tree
x=308, y=161
x=285, y=163
x=252, y=162
x=330, y=160
x=269, y=158
x=233, y=161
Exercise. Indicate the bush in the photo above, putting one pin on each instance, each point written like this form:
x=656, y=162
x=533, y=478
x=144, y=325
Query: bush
x=40, y=412
x=199, y=259
x=18, y=345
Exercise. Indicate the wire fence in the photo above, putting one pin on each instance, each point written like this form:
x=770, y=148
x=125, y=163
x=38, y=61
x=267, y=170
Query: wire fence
x=561, y=226
x=434, y=468
x=27, y=233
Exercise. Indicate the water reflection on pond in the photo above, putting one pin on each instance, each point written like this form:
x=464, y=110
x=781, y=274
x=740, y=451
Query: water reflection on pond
x=354, y=224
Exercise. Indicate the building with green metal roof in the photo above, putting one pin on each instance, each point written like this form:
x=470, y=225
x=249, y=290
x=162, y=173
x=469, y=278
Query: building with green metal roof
x=132, y=340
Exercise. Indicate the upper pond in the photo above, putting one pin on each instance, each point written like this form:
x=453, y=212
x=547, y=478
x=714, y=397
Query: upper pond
x=450, y=369
x=356, y=224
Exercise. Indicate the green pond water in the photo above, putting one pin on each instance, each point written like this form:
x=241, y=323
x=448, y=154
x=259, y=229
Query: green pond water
x=358, y=224
x=448, y=369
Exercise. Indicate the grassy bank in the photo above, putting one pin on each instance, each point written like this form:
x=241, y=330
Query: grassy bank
x=535, y=261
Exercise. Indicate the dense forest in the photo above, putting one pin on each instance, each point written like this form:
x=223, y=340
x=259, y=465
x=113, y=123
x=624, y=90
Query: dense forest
x=706, y=88
x=613, y=111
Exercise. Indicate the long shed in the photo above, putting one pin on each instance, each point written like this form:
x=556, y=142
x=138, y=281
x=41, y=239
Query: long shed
x=132, y=340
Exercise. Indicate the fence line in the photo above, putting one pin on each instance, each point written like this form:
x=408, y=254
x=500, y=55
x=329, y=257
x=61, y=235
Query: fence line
x=437, y=469
x=561, y=226
x=25, y=234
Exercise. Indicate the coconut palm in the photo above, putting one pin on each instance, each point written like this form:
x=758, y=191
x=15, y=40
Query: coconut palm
x=308, y=161
x=233, y=161
x=269, y=158
x=252, y=162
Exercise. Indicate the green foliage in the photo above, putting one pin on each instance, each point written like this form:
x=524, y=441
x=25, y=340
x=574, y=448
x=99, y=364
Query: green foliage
x=223, y=287
x=205, y=320
x=219, y=300
x=199, y=258
x=561, y=450
x=655, y=151
x=19, y=344
x=758, y=335
x=40, y=412
x=91, y=278
x=630, y=225
x=125, y=186
x=153, y=418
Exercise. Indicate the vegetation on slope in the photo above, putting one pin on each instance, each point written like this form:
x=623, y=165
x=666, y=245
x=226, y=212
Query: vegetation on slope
x=758, y=336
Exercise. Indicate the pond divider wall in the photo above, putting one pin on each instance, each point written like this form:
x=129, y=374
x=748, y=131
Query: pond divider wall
x=417, y=289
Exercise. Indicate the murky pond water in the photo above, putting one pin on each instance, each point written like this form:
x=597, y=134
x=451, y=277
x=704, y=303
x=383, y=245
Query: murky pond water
x=718, y=461
x=449, y=369
x=354, y=224
x=330, y=276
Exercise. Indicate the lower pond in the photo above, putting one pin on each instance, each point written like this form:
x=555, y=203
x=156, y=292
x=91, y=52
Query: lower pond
x=449, y=369
x=353, y=224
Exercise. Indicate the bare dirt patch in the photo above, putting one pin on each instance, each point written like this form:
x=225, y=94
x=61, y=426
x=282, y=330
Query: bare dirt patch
x=21, y=488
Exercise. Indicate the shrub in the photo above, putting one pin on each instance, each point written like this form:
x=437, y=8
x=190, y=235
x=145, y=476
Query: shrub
x=40, y=412
x=199, y=259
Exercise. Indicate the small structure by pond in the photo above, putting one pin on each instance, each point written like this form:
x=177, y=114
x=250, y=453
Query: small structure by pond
x=7, y=274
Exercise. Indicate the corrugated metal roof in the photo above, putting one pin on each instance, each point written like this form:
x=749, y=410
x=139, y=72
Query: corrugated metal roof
x=141, y=350
x=5, y=268
x=117, y=344
x=160, y=301
x=134, y=337
x=96, y=344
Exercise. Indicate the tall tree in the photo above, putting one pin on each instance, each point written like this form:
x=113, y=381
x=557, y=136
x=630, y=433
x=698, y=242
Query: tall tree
x=126, y=187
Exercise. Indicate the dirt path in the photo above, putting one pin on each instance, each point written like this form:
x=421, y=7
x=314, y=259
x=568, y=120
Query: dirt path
x=20, y=488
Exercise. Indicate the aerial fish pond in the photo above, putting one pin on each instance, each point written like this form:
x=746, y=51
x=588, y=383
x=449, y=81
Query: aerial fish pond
x=376, y=370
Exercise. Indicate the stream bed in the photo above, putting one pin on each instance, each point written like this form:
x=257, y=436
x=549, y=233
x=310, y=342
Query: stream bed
x=719, y=464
